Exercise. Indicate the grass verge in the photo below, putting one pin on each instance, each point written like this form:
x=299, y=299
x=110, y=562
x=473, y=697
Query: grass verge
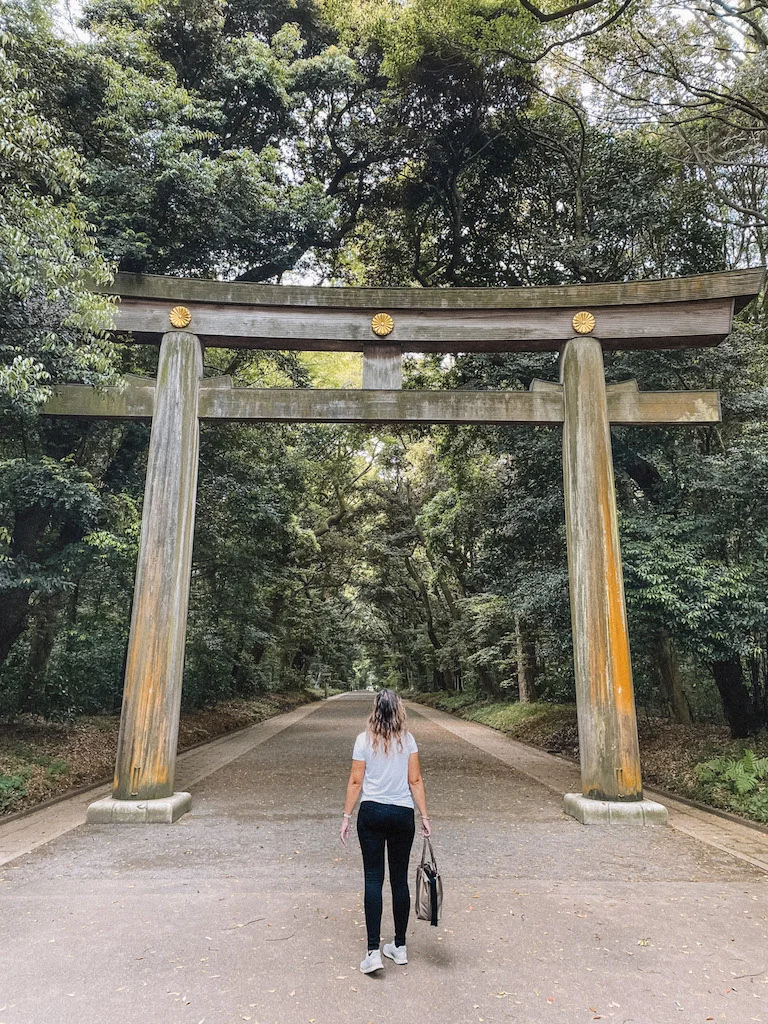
x=671, y=755
x=40, y=760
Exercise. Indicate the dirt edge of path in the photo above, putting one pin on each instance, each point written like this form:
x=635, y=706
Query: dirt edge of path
x=669, y=752
x=43, y=762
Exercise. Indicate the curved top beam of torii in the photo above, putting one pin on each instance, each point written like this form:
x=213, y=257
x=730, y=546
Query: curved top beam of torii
x=672, y=312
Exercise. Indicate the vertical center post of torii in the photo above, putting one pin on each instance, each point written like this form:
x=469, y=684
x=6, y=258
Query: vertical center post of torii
x=382, y=367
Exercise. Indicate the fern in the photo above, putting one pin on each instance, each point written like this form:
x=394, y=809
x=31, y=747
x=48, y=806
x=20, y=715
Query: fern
x=745, y=778
x=749, y=761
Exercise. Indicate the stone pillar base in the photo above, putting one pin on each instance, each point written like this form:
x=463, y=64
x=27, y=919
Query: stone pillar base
x=614, y=812
x=163, y=811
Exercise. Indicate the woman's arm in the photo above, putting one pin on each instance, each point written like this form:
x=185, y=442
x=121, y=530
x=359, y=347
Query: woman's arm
x=416, y=783
x=354, y=786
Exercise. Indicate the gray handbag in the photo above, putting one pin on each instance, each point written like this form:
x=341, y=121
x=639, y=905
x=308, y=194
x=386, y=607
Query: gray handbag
x=429, y=887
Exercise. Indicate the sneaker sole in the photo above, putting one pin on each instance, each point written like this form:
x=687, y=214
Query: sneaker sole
x=371, y=970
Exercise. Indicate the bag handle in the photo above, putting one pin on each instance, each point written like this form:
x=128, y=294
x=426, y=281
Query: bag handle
x=428, y=843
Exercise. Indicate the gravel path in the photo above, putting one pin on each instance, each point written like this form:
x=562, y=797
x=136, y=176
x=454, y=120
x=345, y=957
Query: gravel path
x=249, y=909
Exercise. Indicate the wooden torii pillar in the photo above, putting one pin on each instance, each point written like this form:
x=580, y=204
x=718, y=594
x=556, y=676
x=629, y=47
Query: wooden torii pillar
x=683, y=312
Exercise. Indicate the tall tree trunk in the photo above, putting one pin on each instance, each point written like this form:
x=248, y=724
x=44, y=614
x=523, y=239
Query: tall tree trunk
x=44, y=632
x=668, y=675
x=439, y=681
x=14, y=608
x=737, y=704
x=28, y=528
x=488, y=682
x=526, y=662
x=434, y=639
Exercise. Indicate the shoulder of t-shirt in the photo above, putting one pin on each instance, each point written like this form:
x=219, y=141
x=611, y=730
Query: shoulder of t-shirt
x=410, y=743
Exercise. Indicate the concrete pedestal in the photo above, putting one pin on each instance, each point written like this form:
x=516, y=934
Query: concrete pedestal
x=614, y=812
x=162, y=811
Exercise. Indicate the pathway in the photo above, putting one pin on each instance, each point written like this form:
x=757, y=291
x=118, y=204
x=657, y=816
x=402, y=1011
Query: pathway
x=249, y=909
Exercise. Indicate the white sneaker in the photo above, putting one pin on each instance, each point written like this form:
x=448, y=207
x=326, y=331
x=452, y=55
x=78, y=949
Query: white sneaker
x=397, y=953
x=371, y=963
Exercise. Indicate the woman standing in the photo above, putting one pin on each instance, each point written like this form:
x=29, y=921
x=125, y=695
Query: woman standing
x=385, y=765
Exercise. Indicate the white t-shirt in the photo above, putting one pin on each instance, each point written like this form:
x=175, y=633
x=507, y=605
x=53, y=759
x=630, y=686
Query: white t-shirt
x=386, y=775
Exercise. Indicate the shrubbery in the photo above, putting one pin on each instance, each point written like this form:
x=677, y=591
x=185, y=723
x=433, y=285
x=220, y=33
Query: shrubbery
x=740, y=784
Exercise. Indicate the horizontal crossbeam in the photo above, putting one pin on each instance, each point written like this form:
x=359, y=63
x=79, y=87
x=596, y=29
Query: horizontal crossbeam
x=534, y=408
x=669, y=325
x=130, y=402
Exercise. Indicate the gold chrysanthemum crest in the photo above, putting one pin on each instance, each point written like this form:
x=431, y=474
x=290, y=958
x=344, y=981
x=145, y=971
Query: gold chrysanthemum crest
x=584, y=322
x=382, y=324
x=180, y=316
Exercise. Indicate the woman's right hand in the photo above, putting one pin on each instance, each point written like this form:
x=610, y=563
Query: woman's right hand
x=426, y=828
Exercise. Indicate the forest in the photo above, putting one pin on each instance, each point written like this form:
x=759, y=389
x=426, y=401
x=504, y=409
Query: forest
x=498, y=143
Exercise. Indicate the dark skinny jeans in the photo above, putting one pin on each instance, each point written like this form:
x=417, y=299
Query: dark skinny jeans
x=377, y=825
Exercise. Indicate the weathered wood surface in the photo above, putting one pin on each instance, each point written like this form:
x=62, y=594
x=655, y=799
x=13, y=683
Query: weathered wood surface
x=132, y=401
x=149, y=725
x=610, y=756
x=543, y=405
x=662, y=325
x=674, y=408
x=383, y=367
x=740, y=284
x=381, y=406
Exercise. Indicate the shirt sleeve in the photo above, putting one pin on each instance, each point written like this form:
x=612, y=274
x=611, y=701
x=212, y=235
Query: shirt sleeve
x=358, y=753
x=411, y=744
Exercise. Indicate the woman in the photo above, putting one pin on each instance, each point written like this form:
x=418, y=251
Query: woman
x=385, y=765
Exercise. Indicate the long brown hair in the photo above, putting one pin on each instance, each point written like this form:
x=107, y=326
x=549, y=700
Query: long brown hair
x=387, y=720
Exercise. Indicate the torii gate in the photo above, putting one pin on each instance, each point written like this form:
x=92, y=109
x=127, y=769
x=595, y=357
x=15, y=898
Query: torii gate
x=579, y=321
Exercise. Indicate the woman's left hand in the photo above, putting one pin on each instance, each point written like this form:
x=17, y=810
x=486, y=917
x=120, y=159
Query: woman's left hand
x=344, y=830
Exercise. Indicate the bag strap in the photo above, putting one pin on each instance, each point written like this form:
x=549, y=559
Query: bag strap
x=433, y=898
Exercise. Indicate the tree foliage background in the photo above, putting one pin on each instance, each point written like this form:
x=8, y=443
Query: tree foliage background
x=372, y=142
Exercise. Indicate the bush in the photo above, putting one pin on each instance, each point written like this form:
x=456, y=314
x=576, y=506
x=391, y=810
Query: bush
x=740, y=784
x=12, y=789
x=84, y=675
